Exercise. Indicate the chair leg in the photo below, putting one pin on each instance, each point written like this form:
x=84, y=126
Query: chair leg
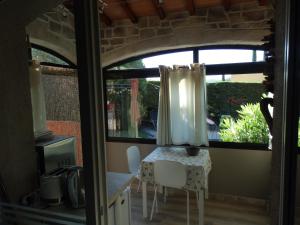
x=197, y=197
x=154, y=201
x=165, y=194
x=188, y=208
x=139, y=185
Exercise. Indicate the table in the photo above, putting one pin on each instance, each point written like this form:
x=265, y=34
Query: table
x=198, y=168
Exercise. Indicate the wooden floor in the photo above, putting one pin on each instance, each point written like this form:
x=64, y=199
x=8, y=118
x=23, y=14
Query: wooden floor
x=217, y=212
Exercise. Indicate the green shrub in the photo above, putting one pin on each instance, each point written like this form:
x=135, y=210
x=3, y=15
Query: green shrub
x=225, y=98
x=250, y=126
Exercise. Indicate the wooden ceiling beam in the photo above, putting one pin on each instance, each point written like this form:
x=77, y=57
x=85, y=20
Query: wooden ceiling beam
x=106, y=19
x=262, y=2
x=129, y=11
x=191, y=7
x=159, y=10
x=226, y=4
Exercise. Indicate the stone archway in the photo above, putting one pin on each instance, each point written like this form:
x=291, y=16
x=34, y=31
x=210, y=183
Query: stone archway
x=55, y=30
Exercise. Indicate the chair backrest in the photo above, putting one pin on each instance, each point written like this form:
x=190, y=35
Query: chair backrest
x=134, y=158
x=169, y=173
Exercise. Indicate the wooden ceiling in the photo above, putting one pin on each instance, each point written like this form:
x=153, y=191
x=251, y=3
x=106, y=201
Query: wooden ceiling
x=134, y=9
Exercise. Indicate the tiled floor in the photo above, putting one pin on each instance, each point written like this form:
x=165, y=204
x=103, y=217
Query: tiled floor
x=217, y=212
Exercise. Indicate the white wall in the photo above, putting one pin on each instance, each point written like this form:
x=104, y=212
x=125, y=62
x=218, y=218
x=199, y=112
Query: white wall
x=234, y=172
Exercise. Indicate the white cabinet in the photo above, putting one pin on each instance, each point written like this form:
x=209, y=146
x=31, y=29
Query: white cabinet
x=111, y=215
x=119, y=213
x=123, y=208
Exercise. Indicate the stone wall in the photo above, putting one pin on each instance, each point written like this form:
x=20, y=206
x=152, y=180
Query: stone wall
x=243, y=23
x=55, y=30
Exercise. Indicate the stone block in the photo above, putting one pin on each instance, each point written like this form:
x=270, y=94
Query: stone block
x=212, y=26
x=216, y=14
x=119, y=32
x=54, y=27
x=153, y=21
x=164, y=23
x=180, y=23
x=68, y=32
x=241, y=26
x=254, y=15
x=124, y=22
x=108, y=33
x=224, y=25
x=147, y=33
x=104, y=42
x=202, y=12
x=143, y=22
x=132, y=31
x=197, y=20
x=250, y=5
x=236, y=17
x=269, y=14
x=164, y=31
x=132, y=39
x=108, y=49
x=53, y=16
x=235, y=8
x=116, y=41
x=178, y=15
x=43, y=18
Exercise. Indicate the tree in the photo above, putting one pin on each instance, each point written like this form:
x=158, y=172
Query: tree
x=250, y=126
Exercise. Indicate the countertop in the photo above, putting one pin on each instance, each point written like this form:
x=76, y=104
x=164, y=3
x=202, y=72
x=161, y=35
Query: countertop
x=116, y=184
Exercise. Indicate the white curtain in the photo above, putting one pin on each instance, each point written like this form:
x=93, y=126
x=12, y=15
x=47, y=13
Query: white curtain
x=182, y=106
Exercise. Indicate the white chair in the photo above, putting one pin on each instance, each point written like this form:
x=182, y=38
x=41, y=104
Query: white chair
x=162, y=171
x=134, y=158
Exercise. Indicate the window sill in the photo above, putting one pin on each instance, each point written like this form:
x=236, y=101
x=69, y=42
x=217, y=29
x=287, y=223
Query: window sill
x=212, y=144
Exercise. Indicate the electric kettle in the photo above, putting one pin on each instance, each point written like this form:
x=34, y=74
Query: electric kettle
x=75, y=187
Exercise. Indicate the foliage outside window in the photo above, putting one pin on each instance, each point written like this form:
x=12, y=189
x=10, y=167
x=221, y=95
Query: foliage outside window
x=120, y=108
x=43, y=56
x=249, y=127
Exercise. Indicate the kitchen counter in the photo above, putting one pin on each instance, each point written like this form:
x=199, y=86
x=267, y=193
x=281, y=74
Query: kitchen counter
x=116, y=184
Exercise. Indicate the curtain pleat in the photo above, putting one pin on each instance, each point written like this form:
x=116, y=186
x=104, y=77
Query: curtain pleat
x=163, y=117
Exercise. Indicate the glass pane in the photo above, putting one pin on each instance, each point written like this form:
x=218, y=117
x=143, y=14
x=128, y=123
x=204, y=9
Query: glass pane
x=220, y=56
x=132, y=107
x=43, y=56
x=178, y=58
x=233, y=108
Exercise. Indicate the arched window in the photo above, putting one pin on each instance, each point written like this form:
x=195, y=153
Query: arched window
x=234, y=83
x=49, y=57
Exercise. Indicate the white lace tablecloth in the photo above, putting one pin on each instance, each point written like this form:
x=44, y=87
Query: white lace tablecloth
x=198, y=167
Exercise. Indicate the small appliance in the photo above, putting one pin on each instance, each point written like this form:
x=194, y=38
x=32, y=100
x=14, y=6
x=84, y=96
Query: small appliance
x=55, y=152
x=51, y=188
x=75, y=187
x=63, y=185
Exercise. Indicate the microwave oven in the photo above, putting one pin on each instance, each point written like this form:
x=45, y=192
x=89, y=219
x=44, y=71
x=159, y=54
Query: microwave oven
x=56, y=152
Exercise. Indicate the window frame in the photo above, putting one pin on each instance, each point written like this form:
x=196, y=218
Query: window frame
x=212, y=69
x=70, y=64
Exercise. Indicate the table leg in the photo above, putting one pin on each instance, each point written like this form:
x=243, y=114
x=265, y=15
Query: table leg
x=200, y=200
x=145, y=211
